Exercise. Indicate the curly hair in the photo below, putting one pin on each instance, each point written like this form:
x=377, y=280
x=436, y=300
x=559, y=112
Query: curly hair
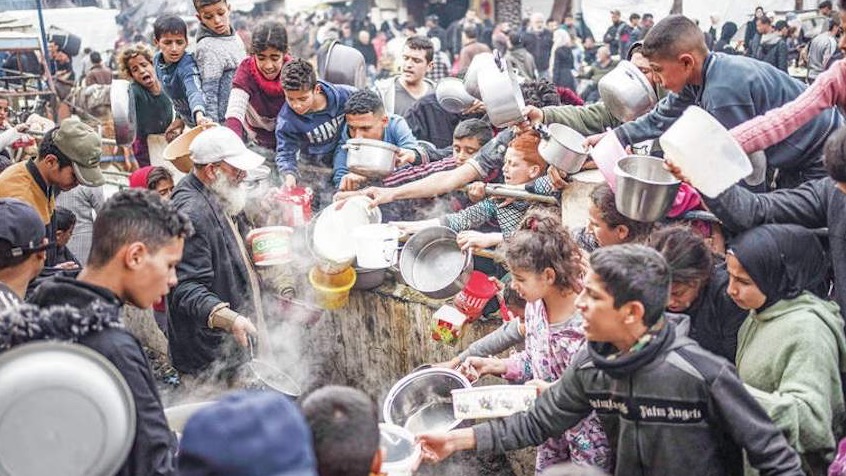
x=540, y=93
x=298, y=75
x=526, y=143
x=132, y=51
x=364, y=101
x=543, y=242
x=269, y=34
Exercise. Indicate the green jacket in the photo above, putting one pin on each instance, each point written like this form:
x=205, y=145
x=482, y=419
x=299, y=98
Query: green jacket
x=790, y=357
x=586, y=120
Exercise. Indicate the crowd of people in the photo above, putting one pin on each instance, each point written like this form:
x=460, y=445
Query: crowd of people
x=719, y=327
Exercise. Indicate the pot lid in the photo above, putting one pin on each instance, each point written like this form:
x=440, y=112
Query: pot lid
x=68, y=402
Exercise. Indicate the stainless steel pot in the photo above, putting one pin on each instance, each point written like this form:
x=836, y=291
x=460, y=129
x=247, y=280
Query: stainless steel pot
x=432, y=262
x=645, y=191
x=343, y=65
x=452, y=96
x=626, y=92
x=481, y=61
x=123, y=111
x=421, y=401
x=370, y=158
x=501, y=94
x=562, y=147
x=367, y=278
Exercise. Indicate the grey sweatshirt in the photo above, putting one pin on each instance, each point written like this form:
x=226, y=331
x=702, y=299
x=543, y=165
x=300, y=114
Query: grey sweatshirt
x=669, y=408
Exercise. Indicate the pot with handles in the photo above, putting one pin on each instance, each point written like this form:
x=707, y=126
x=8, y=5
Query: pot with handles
x=370, y=158
x=432, y=262
x=627, y=92
x=501, y=94
x=562, y=147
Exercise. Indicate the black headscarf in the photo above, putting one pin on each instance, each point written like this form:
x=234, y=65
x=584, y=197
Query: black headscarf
x=783, y=260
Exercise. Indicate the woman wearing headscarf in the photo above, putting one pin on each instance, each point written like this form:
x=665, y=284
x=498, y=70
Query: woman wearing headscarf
x=563, y=62
x=723, y=45
x=791, y=349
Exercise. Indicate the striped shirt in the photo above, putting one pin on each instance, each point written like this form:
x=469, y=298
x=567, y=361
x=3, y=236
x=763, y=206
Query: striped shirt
x=8, y=298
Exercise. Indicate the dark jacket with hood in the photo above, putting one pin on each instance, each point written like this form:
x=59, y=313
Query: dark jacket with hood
x=723, y=44
x=668, y=408
x=211, y=272
x=770, y=48
x=815, y=204
x=734, y=90
x=94, y=321
x=715, y=318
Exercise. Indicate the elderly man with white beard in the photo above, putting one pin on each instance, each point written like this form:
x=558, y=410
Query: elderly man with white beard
x=218, y=287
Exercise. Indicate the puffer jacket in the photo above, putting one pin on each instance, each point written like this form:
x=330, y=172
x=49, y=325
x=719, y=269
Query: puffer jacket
x=90, y=315
x=211, y=272
x=668, y=408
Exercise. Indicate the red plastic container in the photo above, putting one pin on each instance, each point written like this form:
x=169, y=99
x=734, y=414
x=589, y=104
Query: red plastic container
x=472, y=299
x=295, y=206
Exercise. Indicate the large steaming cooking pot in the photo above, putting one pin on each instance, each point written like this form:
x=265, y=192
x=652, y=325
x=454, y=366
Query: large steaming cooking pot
x=343, y=65
x=432, y=262
x=626, y=92
x=370, y=158
x=123, y=111
x=64, y=409
x=421, y=402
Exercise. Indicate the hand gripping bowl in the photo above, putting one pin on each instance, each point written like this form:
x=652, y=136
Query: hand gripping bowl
x=421, y=401
x=432, y=262
x=645, y=190
x=64, y=409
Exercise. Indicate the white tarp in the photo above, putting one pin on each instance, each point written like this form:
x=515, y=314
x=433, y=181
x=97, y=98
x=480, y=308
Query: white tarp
x=96, y=26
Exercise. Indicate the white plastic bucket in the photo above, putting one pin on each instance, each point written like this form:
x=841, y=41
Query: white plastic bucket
x=705, y=152
x=401, y=453
x=376, y=245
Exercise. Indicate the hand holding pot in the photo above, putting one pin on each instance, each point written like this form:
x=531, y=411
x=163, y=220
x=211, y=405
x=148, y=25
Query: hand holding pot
x=594, y=139
x=533, y=114
x=351, y=182
x=482, y=366
x=674, y=169
x=174, y=130
x=379, y=195
x=437, y=447
x=404, y=156
x=557, y=177
x=476, y=191
x=449, y=364
x=475, y=240
x=478, y=107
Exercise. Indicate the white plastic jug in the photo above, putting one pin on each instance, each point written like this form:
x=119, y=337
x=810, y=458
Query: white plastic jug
x=376, y=245
x=402, y=455
x=705, y=152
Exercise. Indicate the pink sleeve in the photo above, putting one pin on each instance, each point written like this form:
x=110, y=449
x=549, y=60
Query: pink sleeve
x=777, y=124
x=518, y=368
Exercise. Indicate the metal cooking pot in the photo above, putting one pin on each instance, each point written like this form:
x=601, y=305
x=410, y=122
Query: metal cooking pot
x=370, y=158
x=343, y=65
x=432, y=262
x=626, y=92
x=123, y=111
x=64, y=409
x=502, y=95
x=271, y=376
x=367, y=278
x=452, y=96
x=421, y=402
x=482, y=61
x=562, y=147
x=645, y=190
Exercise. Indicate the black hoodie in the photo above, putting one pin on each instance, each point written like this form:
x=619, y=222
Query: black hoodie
x=93, y=320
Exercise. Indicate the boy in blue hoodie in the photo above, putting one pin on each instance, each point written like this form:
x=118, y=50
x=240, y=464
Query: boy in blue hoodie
x=178, y=72
x=310, y=122
x=219, y=52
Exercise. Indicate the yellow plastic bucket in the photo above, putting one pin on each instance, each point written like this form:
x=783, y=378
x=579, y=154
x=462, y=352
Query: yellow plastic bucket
x=332, y=291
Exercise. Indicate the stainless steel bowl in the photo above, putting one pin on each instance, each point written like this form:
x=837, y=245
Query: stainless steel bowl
x=627, y=92
x=123, y=111
x=370, y=158
x=562, y=147
x=502, y=97
x=452, y=96
x=482, y=61
x=343, y=65
x=367, y=278
x=421, y=401
x=432, y=262
x=645, y=191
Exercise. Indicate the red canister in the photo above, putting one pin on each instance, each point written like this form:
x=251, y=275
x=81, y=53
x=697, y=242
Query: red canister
x=472, y=299
x=294, y=205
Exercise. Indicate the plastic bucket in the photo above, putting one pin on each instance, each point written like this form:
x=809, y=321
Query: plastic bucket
x=401, y=452
x=705, y=152
x=271, y=245
x=376, y=245
x=472, y=299
x=332, y=291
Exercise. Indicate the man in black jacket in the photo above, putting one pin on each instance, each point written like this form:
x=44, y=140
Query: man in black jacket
x=657, y=393
x=136, y=244
x=218, y=287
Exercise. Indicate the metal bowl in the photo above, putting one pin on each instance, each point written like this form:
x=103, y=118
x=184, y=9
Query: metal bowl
x=421, y=402
x=370, y=158
x=344, y=65
x=562, y=147
x=482, y=61
x=367, y=278
x=645, y=191
x=627, y=92
x=502, y=97
x=433, y=263
x=452, y=96
x=64, y=409
x=123, y=111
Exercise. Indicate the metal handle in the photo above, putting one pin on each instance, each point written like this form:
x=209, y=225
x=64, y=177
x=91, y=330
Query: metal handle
x=543, y=130
x=252, y=343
